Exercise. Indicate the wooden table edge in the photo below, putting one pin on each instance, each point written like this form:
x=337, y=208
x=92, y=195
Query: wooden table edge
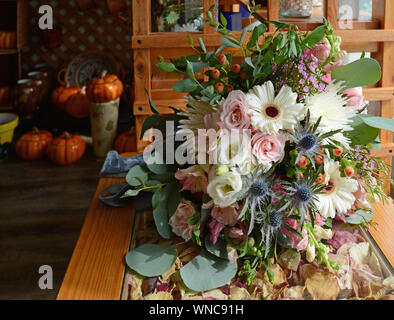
x=96, y=269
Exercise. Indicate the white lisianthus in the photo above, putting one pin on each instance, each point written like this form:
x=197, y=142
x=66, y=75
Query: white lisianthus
x=223, y=189
x=234, y=149
x=321, y=233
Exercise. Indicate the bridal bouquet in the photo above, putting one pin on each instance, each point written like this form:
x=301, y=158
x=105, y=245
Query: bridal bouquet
x=271, y=151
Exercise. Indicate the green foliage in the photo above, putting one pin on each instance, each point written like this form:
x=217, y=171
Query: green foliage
x=206, y=272
x=219, y=249
x=359, y=73
x=151, y=260
x=360, y=217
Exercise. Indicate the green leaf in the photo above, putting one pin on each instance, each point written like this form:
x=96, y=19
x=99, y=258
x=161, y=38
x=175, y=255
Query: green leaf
x=160, y=215
x=202, y=45
x=151, y=260
x=186, y=85
x=360, y=217
x=174, y=199
x=248, y=60
x=151, y=103
x=166, y=66
x=229, y=43
x=206, y=272
x=136, y=175
x=131, y=193
x=219, y=249
x=362, y=134
x=243, y=35
x=315, y=36
x=158, y=197
x=156, y=168
x=359, y=73
x=190, y=40
x=223, y=20
x=148, y=124
x=378, y=122
x=283, y=240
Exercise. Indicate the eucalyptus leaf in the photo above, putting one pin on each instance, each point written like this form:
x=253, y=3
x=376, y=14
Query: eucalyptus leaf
x=131, y=193
x=186, y=85
x=362, y=134
x=360, y=217
x=174, y=198
x=379, y=122
x=160, y=215
x=134, y=173
x=359, y=73
x=151, y=260
x=206, y=272
x=219, y=249
x=149, y=123
x=166, y=66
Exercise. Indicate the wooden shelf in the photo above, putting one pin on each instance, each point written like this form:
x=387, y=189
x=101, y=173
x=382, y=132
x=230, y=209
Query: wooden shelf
x=8, y=51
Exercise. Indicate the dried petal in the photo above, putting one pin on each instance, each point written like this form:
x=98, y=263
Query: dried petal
x=290, y=259
x=159, y=296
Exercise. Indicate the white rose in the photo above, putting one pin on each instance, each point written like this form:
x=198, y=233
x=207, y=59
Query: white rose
x=235, y=148
x=222, y=189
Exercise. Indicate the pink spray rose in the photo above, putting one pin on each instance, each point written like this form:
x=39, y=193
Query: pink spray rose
x=321, y=51
x=226, y=215
x=268, y=147
x=194, y=179
x=234, y=111
x=179, y=223
x=356, y=98
x=328, y=69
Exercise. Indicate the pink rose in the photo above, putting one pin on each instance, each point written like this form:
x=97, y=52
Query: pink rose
x=356, y=98
x=268, y=147
x=234, y=111
x=215, y=227
x=227, y=215
x=321, y=51
x=179, y=223
x=194, y=179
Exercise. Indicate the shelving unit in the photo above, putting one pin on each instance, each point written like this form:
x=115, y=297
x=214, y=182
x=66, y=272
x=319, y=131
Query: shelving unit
x=375, y=36
x=13, y=17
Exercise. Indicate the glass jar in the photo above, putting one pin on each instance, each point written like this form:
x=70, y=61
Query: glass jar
x=295, y=8
x=27, y=99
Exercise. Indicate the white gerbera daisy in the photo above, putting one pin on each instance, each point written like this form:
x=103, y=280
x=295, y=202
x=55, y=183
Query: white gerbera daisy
x=338, y=197
x=271, y=114
x=331, y=106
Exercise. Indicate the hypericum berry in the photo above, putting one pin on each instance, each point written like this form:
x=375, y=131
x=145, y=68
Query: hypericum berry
x=319, y=159
x=236, y=68
x=219, y=87
x=337, y=151
x=320, y=178
x=229, y=88
x=309, y=141
x=243, y=75
x=222, y=58
x=349, y=172
x=259, y=189
x=275, y=219
x=215, y=73
x=304, y=194
x=303, y=162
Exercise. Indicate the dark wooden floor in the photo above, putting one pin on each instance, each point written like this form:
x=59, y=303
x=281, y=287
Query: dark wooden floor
x=42, y=208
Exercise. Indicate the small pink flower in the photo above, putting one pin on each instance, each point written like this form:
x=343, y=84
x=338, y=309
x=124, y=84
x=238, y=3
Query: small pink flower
x=356, y=98
x=332, y=66
x=321, y=51
x=232, y=255
x=234, y=111
x=194, y=179
x=215, y=227
x=304, y=241
x=319, y=220
x=295, y=241
x=268, y=147
x=227, y=215
x=327, y=78
x=179, y=223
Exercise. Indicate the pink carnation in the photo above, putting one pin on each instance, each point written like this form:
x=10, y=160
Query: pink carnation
x=179, y=223
x=268, y=147
x=227, y=215
x=234, y=111
x=194, y=179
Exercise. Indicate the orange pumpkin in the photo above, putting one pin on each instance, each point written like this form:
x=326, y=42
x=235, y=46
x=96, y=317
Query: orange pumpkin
x=60, y=95
x=126, y=142
x=33, y=144
x=77, y=105
x=104, y=89
x=66, y=149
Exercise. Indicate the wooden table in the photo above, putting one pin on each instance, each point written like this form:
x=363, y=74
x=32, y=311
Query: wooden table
x=97, y=267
